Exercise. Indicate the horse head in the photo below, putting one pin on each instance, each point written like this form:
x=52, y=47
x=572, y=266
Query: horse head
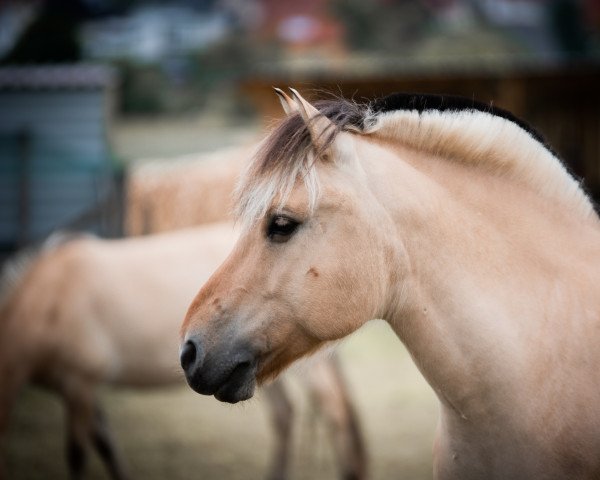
x=312, y=265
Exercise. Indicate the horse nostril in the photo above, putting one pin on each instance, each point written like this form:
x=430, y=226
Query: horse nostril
x=188, y=355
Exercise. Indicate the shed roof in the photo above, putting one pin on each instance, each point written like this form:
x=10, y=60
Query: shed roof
x=57, y=77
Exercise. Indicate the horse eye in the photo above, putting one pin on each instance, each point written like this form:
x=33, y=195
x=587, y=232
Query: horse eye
x=281, y=228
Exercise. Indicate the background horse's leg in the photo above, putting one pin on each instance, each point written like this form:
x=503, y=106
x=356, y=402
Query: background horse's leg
x=282, y=418
x=11, y=381
x=80, y=416
x=85, y=423
x=331, y=397
x=105, y=446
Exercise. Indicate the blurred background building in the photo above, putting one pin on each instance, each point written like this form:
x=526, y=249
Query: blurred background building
x=56, y=167
x=145, y=78
x=211, y=63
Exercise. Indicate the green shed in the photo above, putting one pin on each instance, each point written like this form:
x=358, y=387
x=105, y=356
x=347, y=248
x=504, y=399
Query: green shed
x=55, y=160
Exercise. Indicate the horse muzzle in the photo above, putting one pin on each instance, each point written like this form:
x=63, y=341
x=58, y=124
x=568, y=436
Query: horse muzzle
x=228, y=374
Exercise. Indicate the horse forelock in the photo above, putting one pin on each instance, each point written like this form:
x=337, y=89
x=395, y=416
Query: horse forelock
x=461, y=129
x=287, y=156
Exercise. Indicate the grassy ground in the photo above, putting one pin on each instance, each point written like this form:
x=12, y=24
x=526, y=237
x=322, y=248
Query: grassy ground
x=177, y=434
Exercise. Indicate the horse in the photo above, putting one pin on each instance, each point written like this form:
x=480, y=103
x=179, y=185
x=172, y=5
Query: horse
x=179, y=192
x=88, y=311
x=454, y=222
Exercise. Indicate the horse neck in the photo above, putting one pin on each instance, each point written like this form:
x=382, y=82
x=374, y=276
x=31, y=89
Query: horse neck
x=480, y=254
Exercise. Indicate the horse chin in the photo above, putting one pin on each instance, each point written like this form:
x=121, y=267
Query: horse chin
x=234, y=391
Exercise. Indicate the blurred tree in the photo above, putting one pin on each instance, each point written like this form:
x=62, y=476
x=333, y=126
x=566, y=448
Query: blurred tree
x=52, y=36
x=566, y=20
x=385, y=25
x=141, y=88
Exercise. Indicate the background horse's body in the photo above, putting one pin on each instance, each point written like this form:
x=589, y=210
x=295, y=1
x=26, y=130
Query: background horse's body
x=71, y=323
x=94, y=311
x=180, y=192
x=466, y=234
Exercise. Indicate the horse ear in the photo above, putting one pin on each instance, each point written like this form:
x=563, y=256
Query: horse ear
x=289, y=107
x=319, y=126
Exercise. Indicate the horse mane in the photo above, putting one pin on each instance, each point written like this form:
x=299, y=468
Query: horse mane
x=457, y=128
x=449, y=103
x=16, y=267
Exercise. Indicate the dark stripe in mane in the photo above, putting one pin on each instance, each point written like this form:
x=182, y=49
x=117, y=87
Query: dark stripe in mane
x=290, y=141
x=422, y=102
x=291, y=136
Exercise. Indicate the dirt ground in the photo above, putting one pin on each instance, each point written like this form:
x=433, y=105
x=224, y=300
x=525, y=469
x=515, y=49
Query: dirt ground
x=177, y=434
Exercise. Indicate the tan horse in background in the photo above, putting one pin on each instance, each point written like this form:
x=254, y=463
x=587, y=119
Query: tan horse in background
x=455, y=223
x=93, y=311
x=172, y=193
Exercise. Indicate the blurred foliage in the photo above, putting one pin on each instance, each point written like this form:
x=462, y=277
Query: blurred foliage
x=381, y=25
x=103, y=7
x=51, y=37
x=140, y=88
x=219, y=69
x=189, y=83
x=226, y=61
x=566, y=20
x=189, y=80
x=475, y=40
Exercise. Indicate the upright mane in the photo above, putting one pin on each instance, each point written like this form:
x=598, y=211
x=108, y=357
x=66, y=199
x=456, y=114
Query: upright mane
x=287, y=155
x=456, y=128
